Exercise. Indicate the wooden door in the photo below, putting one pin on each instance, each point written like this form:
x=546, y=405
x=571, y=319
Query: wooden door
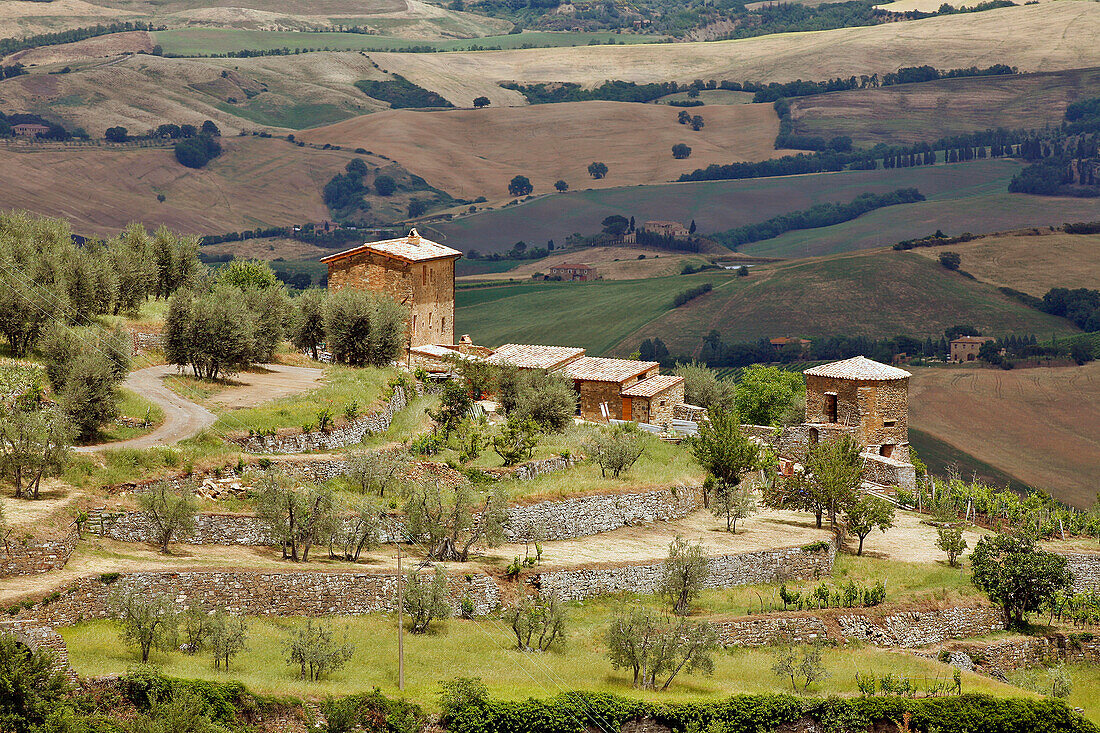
x=626, y=409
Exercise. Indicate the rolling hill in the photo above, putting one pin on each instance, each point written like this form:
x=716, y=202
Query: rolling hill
x=935, y=109
x=1040, y=425
x=962, y=197
x=877, y=294
x=471, y=153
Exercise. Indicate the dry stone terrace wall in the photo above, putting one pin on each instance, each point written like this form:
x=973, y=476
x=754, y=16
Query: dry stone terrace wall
x=726, y=571
x=36, y=555
x=998, y=658
x=341, y=437
x=37, y=637
x=305, y=593
x=1085, y=570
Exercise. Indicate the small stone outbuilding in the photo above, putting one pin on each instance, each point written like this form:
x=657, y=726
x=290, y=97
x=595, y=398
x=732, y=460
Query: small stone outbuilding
x=602, y=382
x=653, y=400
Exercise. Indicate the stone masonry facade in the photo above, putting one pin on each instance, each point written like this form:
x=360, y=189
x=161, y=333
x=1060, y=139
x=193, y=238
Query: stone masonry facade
x=726, y=571
x=1085, y=570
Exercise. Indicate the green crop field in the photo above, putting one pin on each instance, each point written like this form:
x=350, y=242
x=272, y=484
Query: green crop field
x=875, y=294
x=962, y=197
x=941, y=457
x=213, y=41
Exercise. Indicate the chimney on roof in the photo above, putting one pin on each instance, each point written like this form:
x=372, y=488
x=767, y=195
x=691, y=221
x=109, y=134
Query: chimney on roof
x=414, y=237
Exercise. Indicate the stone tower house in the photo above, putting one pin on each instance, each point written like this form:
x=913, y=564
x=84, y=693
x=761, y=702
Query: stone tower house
x=416, y=272
x=866, y=399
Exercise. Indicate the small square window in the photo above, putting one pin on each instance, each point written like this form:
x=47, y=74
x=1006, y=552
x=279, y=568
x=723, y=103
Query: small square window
x=889, y=423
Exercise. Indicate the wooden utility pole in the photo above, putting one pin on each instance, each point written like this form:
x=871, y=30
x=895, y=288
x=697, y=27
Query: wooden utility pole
x=400, y=623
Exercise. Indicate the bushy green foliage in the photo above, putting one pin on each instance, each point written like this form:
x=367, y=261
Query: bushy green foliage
x=373, y=712
x=768, y=395
x=1017, y=575
x=248, y=275
x=215, y=332
x=530, y=394
x=313, y=648
x=31, y=686
x=703, y=388
x=196, y=152
x=401, y=93
x=516, y=441
x=364, y=328
x=426, y=599
x=690, y=294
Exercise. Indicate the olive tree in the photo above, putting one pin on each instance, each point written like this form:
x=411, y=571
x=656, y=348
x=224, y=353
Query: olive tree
x=171, y=511
x=364, y=328
x=308, y=330
x=426, y=599
x=356, y=531
x=654, y=647
x=33, y=443
x=867, y=513
x=683, y=574
x=213, y=333
x=1017, y=575
x=228, y=637
x=452, y=519
x=313, y=648
x=537, y=622
x=617, y=449
x=297, y=517
x=148, y=621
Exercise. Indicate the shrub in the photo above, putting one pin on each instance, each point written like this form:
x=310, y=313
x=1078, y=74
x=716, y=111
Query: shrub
x=617, y=449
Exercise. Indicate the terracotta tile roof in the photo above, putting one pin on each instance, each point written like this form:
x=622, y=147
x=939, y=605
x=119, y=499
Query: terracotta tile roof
x=442, y=352
x=412, y=248
x=536, y=356
x=574, y=265
x=858, y=367
x=653, y=386
x=972, y=339
x=596, y=369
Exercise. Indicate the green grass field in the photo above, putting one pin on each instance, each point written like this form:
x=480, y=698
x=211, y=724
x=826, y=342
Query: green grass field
x=214, y=41
x=962, y=197
x=875, y=294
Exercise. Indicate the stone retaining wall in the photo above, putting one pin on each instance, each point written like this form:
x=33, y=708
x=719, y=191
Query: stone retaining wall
x=998, y=658
x=764, y=630
x=1086, y=572
x=726, y=571
x=36, y=555
x=305, y=593
x=341, y=437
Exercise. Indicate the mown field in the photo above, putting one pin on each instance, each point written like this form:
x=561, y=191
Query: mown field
x=1040, y=425
x=962, y=197
x=1034, y=261
x=874, y=294
x=471, y=153
x=935, y=109
x=207, y=41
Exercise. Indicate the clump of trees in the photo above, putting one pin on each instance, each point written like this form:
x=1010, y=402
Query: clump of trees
x=656, y=648
x=85, y=368
x=1017, y=575
x=364, y=328
x=520, y=186
x=597, y=169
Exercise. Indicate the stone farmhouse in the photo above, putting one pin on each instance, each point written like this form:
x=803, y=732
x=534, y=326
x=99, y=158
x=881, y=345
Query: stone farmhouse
x=416, y=272
x=667, y=229
x=866, y=400
x=966, y=348
x=574, y=272
x=30, y=129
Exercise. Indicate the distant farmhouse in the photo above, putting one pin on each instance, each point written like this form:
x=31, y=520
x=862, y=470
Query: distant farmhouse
x=30, y=129
x=782, y=343
x=572, y=271
x=667, y=229
x=966, y=348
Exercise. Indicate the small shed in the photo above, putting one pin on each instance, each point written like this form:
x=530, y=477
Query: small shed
x=600, y=381
x=653, y=400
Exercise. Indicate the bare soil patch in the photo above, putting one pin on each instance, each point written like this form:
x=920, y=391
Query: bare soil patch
x=269, y=249
x=1034, y=261
x=1041, y=425
x=471, y=153
x=268, y=383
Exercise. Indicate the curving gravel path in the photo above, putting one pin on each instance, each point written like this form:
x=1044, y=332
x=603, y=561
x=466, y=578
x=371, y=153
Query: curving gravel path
x=182, y=417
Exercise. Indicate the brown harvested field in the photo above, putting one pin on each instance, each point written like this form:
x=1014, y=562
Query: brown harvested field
x=1041, y=425
x=930, y=6
x=612, y=263
x=1068, y=33
x=1031, y=263
x=19, y=19
x=256, y=182
x=471, y=153
x=927, y=111
x=114, y=44
x=269, y=248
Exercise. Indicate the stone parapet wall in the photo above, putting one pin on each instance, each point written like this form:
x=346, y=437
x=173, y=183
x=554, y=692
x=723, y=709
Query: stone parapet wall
x=888, y=471
x=341, y=437
x=36, y=555
x=1085, y=570
x=37, y=637
x=726, y=571
x=304, y=593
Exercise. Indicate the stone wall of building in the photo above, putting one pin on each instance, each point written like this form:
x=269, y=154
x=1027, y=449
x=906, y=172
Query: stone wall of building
x=1085, y=570
x=889, y=471
x=350, y=434
x=593, y=394
x=36, y=555
x=726, y=571
x=304, y=593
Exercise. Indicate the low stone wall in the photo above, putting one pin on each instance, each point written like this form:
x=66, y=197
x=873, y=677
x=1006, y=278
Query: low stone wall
x=210, y=529
x=305, y=593
x=726, y=571
x=888, y=471
x=998, y=658
x=1086, y=572
x=533, y=469
x=340, y=437
x=581, y=516
x=917, y=628
x=764, y=630
x=36, y=555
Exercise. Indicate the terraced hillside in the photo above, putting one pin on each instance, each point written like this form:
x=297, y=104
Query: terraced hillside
x=877, y=294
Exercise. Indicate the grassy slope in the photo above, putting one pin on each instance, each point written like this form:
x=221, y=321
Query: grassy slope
x=915, y=112
x=874, y=294
x=942, y=458
x=202, y=41
x=1039, y=425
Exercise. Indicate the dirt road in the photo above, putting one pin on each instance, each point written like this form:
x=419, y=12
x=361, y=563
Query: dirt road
x=182, y=418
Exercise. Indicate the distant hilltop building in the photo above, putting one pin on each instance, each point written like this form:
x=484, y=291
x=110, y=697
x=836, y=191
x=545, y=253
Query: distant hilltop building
x=783, y=341
x=416, y=272
x=571, y=271
x=667, y=229
x=966, y=348
x=30, y=129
